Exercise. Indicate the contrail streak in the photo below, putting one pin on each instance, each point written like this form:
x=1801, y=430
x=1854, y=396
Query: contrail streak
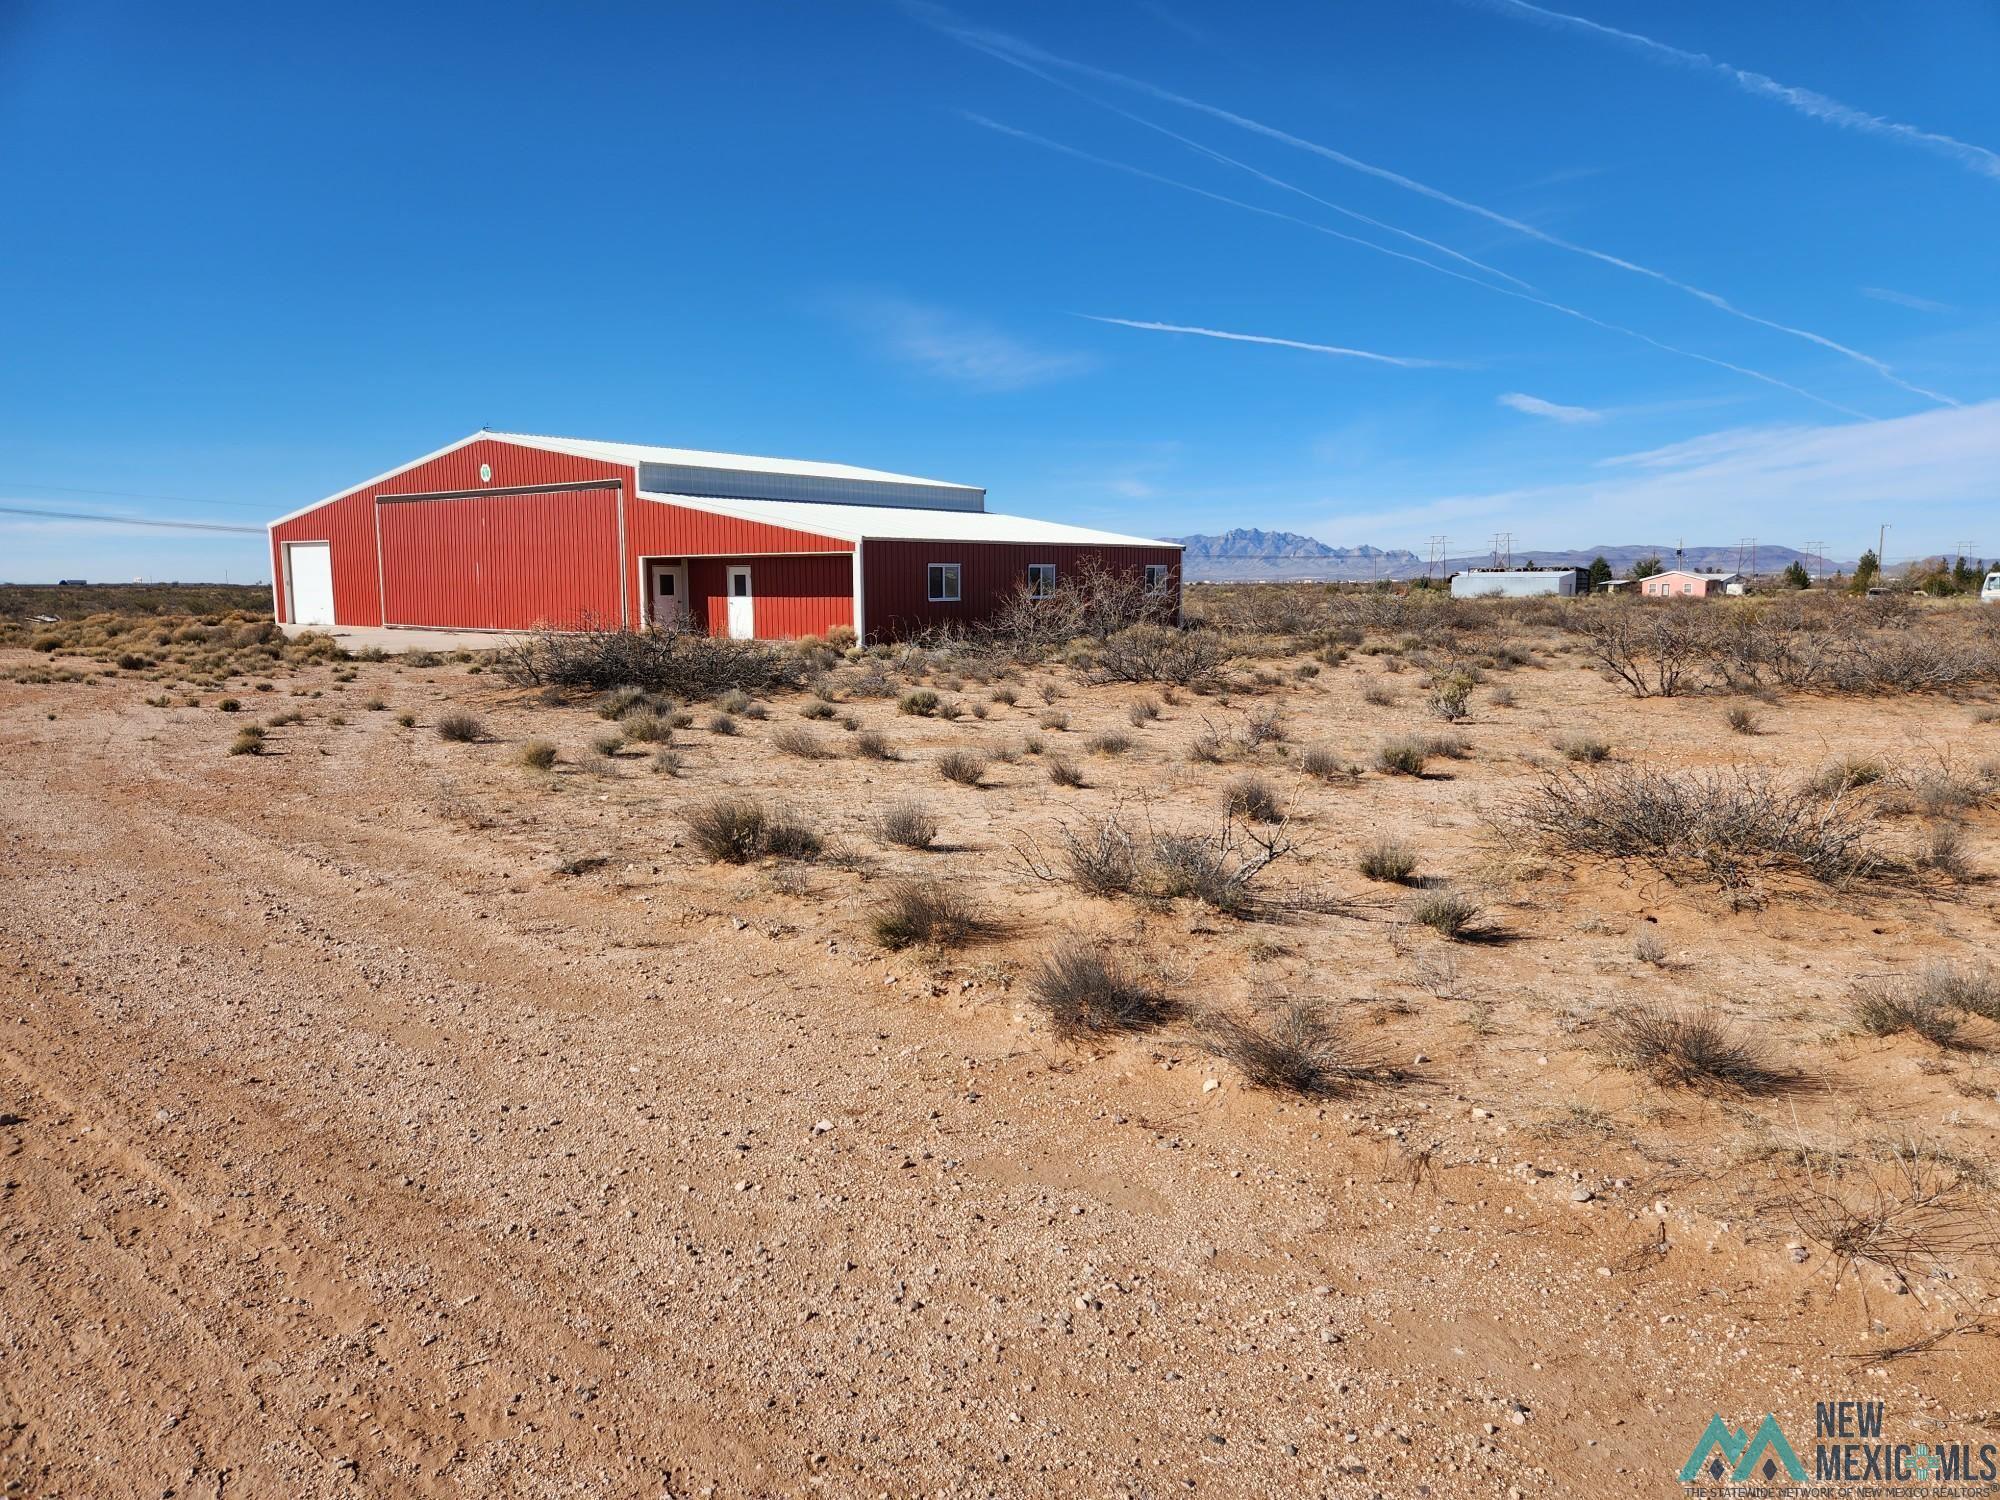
x=1813, y=105
x=1242, y=166
x=988, y=41
x=1529, y=297
x=1259, y=338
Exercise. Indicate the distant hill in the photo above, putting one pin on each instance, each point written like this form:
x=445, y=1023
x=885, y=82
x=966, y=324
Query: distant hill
x=1247, y=555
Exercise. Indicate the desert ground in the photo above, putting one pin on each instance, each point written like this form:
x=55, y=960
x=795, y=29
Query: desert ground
x=383, y=1114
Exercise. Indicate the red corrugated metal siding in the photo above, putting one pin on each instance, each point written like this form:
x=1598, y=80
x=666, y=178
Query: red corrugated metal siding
x=501, y=562
x=793, y=596
x=348, y=522
x=896, y=598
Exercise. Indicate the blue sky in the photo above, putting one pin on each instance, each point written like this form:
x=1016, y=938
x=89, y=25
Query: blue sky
x=254, y=253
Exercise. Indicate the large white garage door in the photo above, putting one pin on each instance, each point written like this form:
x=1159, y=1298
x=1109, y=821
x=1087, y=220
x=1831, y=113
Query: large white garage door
x=311, y=567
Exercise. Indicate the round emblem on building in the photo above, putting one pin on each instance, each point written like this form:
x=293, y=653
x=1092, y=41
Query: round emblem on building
x=486, y=473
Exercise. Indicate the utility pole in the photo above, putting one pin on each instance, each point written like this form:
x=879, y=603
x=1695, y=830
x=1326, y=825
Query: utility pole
x=1817, y=552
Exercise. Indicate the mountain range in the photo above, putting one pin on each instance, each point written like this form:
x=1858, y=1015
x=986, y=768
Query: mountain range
x=1247, y=555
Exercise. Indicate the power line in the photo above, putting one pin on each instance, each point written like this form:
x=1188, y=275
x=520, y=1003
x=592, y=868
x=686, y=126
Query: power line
x=72, y=489
x=79, y=515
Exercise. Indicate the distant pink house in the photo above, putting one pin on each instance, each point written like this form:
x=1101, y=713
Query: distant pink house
x=1678, y=583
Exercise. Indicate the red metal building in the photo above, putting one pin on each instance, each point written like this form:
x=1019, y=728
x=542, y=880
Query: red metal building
x=504, y=531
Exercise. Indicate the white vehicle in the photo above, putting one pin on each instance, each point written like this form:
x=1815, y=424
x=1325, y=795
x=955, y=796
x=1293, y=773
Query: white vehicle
x=1990, y=594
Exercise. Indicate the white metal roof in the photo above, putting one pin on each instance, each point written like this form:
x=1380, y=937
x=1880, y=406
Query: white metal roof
x=638, y=453
x=864, y=523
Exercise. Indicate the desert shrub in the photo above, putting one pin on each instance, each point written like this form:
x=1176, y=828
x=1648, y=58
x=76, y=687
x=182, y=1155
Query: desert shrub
x=1379, y=693
x=918, y=702
x=1111, y=742
x=1883, y=1008
x=668, y=761
x=374, y=705
x=792, y=740
x=1449, y=698
x=1727, y=824
x=1101, y=856
x=925, y=911
x=966, y=767
x=727, y=829
x=870, y=744
x=249, y=741
x=1298, y=1051
x=752, y=710
x=407, y=720
x=789, y=836
x=1142, y=713
x=621, y=701
x=686, y=664
x=1160, y=653
x=536, y=755
x=1648, y=948
x=1254, y=798
x=1448, y=745
x=1064, y=772
x=289, y=716
x=1584, y=749
x=1207, y=748
x=909, y=823
x=1006, y=695
x=1501, y=697
x=1323, y=765
x=1972, y=988
x=1387, y=859
x=1849, y=772
x=1742, y=720
x=1263, y=727
x=1693, y=1049
x=722, y=724
x=1943, y=850
x=460, y=728
x=1402, y=757
x=1055, y=721
x=818, y=708
x=610, y=742
x=646, y=728
x=1656, y=649
x=228, y=705
x=1446, y=913
x=1085, y=991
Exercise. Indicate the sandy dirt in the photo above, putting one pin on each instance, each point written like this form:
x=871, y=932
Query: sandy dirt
x=353, y=1148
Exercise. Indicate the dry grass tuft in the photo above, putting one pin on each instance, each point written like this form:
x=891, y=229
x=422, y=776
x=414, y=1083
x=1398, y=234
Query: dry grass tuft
x=1693, y=1049
x=966, y=767
x=1298, y=1051
x=462, y=729
x=925, y=911
x=1084, y=991
x=909, y=823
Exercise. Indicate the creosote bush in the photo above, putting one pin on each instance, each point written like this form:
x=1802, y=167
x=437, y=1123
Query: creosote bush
x=927, y=912
x=966, y=767
x=1402, y=757
x=1693, y=1049
x=1446, y=913
x=1298, y=1050
x=1254, y=798
x=460, y=728
x=909, y=823
x=686, y=664
x=536, y=755
x=1388, y=860
x=1086, y=991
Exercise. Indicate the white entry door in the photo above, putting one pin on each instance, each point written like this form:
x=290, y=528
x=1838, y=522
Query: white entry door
x=669, y=610
x=742, y=607
x=310, y=565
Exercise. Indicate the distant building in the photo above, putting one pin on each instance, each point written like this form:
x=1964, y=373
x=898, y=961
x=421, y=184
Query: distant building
x=1678, y=583
x=1519, y=583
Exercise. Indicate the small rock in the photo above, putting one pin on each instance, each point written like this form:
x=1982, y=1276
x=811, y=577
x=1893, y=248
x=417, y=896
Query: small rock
x=1211, y=1085
x=1580, y=1194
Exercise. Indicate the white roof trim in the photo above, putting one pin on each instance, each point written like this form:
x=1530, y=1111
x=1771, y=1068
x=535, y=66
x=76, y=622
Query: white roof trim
x=891, y=523
x=637, y=453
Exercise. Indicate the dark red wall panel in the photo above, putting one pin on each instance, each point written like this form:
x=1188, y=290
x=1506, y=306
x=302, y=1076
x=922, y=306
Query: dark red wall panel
x=897, y=578
x=792, y=596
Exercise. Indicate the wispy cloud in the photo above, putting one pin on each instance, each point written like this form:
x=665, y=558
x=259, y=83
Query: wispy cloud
x=1259, y=338
x=1813, y=105
x=956, y=348
x=1535, y=406
x=987, y=40
x=1904, y=299
x=1802, y=483
x=1147, y=175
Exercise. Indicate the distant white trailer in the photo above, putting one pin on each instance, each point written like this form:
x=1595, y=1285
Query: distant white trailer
x=1519, y=583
